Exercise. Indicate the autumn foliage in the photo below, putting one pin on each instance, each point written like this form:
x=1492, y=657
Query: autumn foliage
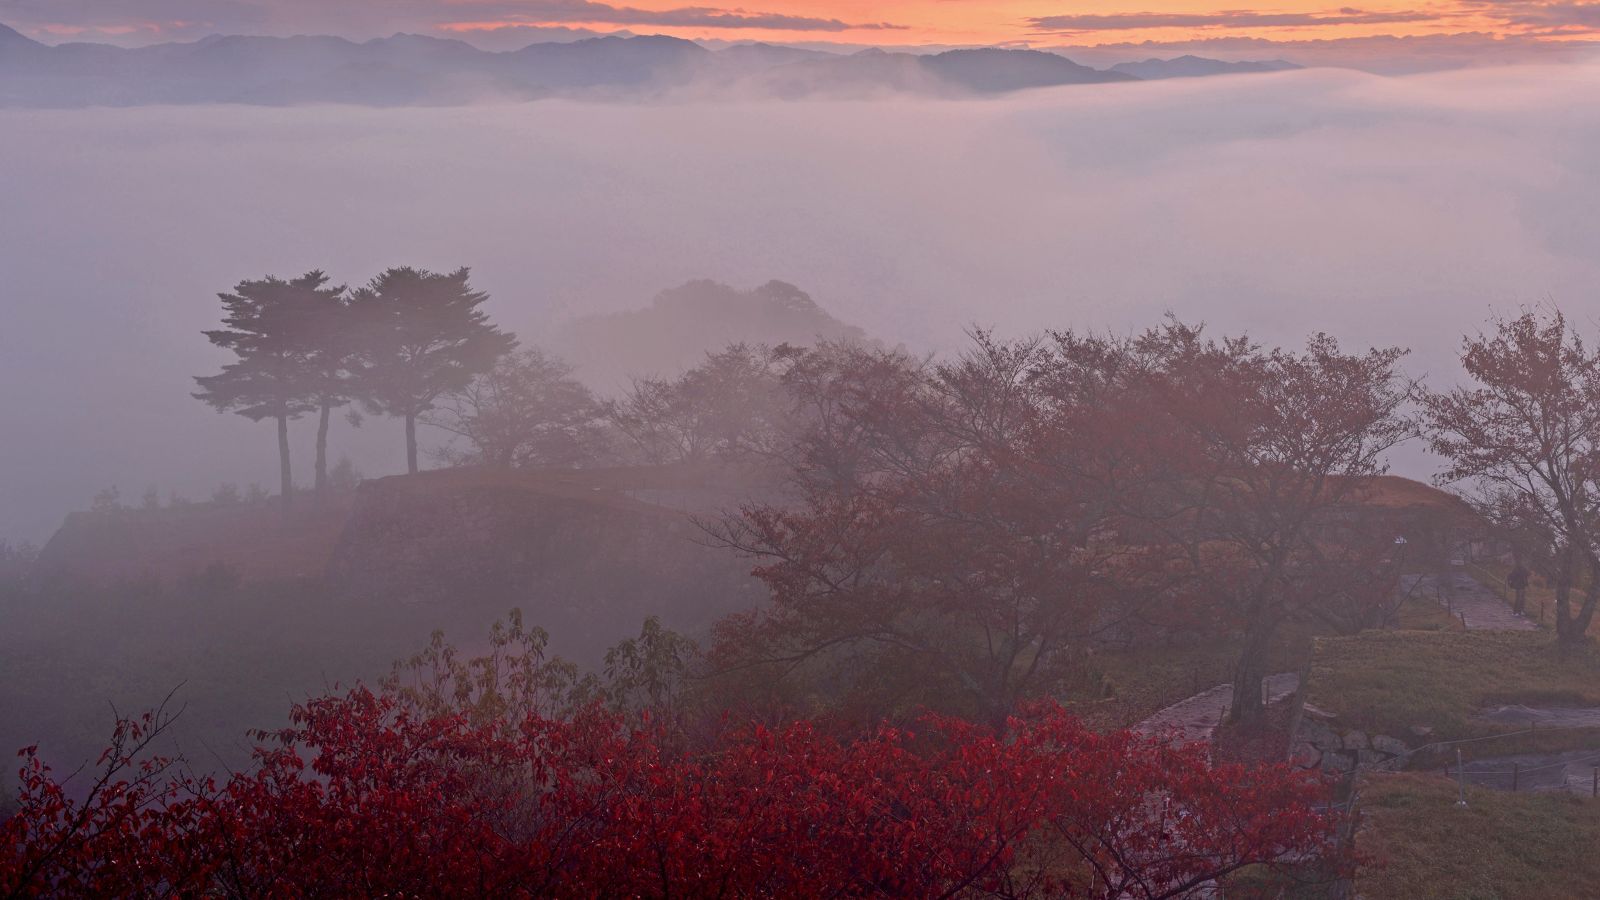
x=966, y=532
x=1525, y=431
x=957, y=537
x=364, y=796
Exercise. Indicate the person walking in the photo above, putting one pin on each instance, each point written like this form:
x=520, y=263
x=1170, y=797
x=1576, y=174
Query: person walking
x=1517, y=580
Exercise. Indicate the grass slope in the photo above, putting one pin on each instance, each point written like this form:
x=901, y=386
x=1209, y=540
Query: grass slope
x=1420, y=846
x=1388, y=681
x=1122, y=687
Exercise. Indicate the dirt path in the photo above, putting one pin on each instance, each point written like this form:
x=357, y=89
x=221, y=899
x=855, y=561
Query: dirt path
x=1470, y=600
x=1197, y=718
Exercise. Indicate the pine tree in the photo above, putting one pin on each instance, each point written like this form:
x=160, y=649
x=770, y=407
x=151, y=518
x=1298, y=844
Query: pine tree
x=272, y=378
x=422, y=334
x=327, y=333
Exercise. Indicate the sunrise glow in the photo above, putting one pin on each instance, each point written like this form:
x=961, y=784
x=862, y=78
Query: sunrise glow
x=910, y=23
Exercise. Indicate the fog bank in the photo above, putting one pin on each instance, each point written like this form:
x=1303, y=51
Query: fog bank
x=1381, y=210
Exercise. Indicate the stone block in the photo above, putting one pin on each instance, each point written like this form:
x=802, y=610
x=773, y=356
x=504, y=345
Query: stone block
x=1337, y=761
x=1388, y=745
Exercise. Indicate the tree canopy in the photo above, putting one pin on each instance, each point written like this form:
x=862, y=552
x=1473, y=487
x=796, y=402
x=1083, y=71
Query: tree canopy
x=971, y=528
x=526, y=410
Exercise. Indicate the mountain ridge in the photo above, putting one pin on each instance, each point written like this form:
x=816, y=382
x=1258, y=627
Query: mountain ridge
x=1191, y=66
x=406, y=69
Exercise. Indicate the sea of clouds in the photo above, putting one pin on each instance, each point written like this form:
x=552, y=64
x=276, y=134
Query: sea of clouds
x=1382, y=210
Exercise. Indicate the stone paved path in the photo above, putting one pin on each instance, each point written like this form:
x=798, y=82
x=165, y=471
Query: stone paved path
x=1197, y=718
x=1482, y=608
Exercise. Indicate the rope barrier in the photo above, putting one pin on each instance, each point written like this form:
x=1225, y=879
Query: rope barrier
x=1591, y=757
x=1491, y=737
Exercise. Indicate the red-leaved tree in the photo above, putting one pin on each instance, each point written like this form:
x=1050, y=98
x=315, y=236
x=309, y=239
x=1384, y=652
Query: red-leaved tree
x=965, y=531
x=363, y=796
x=959, y=538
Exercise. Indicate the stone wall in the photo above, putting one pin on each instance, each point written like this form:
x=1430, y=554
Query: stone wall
x=1319, y=743
x=586, y=562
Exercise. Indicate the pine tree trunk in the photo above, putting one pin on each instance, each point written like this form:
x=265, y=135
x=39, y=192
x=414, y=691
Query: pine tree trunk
x=411, y=443
x=286, y=478
x=322, y=450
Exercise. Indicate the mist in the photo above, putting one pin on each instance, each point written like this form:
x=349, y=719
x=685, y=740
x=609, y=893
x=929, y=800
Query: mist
x=747, y=473
x=1381, y=210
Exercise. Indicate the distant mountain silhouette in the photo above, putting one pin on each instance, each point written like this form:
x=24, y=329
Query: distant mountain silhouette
x=651, y=61
x=404, y=68
x=1197, y=67
x=994, y=70
x=860, y=74
x=409, y=69
x=989, y=70
x=765, y=56
x=15, y=46
x=682, y=324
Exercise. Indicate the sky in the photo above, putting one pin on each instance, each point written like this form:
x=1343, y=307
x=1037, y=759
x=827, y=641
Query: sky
x=1503, y=24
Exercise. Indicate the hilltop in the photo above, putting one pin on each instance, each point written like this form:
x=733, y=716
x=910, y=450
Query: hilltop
x=682, y=324
x=242, y=604
x=588, y=552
